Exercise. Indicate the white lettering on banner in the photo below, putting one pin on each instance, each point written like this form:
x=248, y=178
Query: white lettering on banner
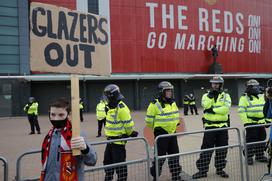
x=254, y=34
x=215, y=21
x=201, y=42
x=169, y=16
x=223, y=28
x=152, y=6
x=240, y=28
x=182, y=17
x=203, y=19
x=228, y=22
x=151, y=40
x=191, y=44
x=224, y=43
x=180, y=42
x=162, y=40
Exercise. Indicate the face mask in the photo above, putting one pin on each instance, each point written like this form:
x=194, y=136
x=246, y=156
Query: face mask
x=59, y=123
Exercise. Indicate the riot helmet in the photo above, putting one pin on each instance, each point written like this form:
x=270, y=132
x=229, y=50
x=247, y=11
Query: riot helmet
x=162, y=87
x=112, y=93
x=217, y=80
x=252, y=87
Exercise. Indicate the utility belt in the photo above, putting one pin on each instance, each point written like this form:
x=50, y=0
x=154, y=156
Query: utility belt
x=214, y=122
x=117, y=137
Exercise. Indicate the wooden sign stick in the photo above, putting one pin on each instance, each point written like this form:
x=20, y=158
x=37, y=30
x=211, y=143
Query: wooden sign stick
x=75, y=110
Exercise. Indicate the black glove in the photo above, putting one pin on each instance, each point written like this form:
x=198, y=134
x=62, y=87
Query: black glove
x=210, y=110
x=211, y=94
x=134, y=134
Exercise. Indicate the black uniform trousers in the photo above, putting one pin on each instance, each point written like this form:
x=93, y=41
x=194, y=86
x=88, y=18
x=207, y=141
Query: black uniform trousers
x=81, y=114
x=100, y=125
x=33, y=121
x=186, y=109
x=210, y=140
x=254, y=135
x=115, y=153
x=193, y=108
x=168, y=146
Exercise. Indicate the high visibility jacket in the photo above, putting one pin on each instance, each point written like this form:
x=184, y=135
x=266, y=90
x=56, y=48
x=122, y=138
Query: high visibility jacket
x=101, y=110
x=81, y=105
x=221, y=107
x=119, y=123
x=185, y=100
x=192, y=101
x=166, y=118
x=250, y=109
x=31, y=108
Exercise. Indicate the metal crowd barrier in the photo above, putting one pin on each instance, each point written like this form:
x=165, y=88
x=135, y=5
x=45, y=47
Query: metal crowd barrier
x=188, y=159
x=257, y=170
x=138, y=169
x=18, y=166
x=5, y=171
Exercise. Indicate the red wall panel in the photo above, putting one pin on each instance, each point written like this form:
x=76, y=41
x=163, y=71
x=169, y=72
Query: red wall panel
x=130, y=27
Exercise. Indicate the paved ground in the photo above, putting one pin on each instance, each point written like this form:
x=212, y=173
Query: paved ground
x=15, y=141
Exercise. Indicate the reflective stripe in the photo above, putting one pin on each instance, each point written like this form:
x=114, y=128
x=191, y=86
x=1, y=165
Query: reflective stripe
x=150, y=116
x=113, y=122
x=101, y=110
x=248, y=100
x=166, y=120
x=254, y=111
x=169, y=113
x=159, y=106
x=257, y=105
x=118, y=128
x=127, y=121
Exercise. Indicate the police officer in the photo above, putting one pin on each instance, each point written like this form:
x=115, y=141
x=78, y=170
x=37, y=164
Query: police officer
x=101, y=114
x=119, y=124
x=81, y=109
x=31, y=108
x=186, y=100
x=216, y=104
x=250, y=110
x=192, y=104
x=163, y=117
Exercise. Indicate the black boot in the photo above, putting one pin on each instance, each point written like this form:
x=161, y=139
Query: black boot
x=261, y=159
x=199, y=175
x=222, y=173
x=250, y=161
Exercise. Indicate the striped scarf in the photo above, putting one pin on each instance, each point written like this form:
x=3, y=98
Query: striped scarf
x=67, y=161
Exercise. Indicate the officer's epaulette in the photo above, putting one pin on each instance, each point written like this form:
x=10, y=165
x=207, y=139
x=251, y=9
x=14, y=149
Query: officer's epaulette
x=121, y=105
x=154, y=101
x=244, y=94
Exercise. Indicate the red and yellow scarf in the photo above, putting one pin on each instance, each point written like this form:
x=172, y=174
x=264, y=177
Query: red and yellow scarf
x=67, y=161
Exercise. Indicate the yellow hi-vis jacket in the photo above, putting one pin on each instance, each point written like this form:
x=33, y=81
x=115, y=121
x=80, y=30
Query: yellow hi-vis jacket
x=101, y=110
x=251, y=109
x=81, y=106
x=167, y=118
x=186, y=100
x=31, y=108
x=192, y=101
x=119, y=123
x=221, y=107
